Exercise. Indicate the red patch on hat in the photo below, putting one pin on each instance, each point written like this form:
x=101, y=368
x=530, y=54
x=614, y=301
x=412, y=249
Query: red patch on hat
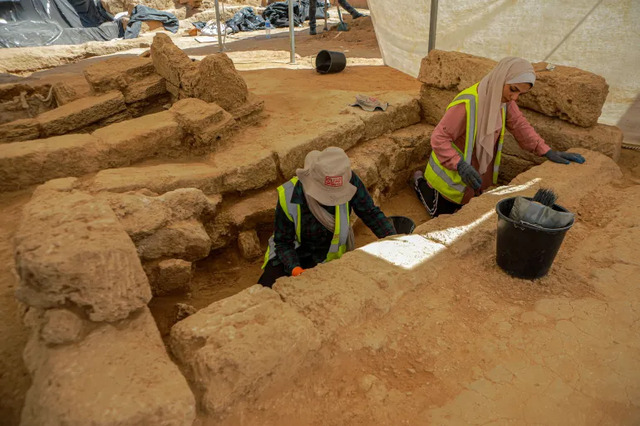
x=334, y=181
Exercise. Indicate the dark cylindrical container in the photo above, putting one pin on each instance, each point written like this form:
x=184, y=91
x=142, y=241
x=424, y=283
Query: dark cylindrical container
x=328, y=62
x=403, y=225
x=525, y=251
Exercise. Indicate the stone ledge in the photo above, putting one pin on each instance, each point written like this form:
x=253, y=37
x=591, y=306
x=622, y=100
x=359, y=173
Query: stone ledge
x=219, y=351
x=80, y=113
x=119, y=374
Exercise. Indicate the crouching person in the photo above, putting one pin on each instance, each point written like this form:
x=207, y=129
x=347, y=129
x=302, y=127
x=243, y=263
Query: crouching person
x=312, y=221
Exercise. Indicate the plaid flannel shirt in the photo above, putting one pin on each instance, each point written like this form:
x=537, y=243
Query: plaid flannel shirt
x=315, y=238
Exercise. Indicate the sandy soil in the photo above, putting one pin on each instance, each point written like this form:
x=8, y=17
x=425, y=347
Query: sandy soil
x=14, y=379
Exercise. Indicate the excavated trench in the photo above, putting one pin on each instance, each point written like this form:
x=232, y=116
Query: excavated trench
x=226, y=272
x=192, y=233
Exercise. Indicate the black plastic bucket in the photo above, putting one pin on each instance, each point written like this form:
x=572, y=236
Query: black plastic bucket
x=402, y=225
x=525, y=251
x=328, y=62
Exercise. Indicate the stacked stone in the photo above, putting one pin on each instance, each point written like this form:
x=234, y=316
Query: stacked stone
x=94, y=354
x=563, y=107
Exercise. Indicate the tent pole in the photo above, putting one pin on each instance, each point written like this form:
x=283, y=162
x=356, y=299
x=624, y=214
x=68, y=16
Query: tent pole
x=292, y=36
x=433, y=20
x=218, y=26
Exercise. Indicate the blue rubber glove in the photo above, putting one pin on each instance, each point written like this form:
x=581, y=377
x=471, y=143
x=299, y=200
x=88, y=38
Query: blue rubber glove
x=469, y=175
x=564, y=157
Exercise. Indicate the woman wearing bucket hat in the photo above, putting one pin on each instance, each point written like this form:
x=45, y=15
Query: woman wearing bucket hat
x=467, y=142
x=312, y=221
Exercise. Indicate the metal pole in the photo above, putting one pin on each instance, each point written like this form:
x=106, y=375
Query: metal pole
x=218, y=26
x=433, y=20
x=292, y=36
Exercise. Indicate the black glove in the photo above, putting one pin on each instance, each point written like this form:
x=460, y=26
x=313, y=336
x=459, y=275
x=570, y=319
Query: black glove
x=564, y=157
x=469, y=175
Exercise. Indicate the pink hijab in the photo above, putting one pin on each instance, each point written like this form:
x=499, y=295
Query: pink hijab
x=508, y=71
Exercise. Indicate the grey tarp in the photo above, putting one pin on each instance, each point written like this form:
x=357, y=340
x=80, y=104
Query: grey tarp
x=49, y=22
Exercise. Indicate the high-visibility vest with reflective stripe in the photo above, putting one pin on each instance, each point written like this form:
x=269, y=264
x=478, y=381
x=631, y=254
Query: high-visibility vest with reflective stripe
x=341, y=234
x=448, y=182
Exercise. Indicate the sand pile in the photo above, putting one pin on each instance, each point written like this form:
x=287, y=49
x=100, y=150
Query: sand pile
x=360, y=32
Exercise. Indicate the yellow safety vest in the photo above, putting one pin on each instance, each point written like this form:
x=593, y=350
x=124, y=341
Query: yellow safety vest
x=341, y=234
x=448, y=182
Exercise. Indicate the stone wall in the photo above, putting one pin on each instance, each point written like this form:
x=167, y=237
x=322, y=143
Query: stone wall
x=86, y=134
x=563, y=106
x=95, y=354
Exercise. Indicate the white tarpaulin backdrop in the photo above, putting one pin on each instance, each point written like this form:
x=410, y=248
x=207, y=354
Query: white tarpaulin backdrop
x=605, y=38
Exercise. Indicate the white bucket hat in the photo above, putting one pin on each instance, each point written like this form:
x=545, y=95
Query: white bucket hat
x=326, y=176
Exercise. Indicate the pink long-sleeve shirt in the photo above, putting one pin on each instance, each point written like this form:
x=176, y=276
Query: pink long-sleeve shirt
x=452, y=128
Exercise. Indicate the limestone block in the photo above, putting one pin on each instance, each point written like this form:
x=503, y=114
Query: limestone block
x=188, y=203
x=220, y=82
x=249, y=112
x=253, y=210
x=19, y=130
x=170, y=276
x=341, y=293
x=120, y=374
x=207, y=122
x=568, y=93
x=365, y=166
x=345, y=131
x=562, y=136
x=186, y=240
x=30, y=162
x=195, y=114
x=207, y=138
x=235, y=169
x=511, y=166
x=232, y=349
x=170, y=61
x=80, y=113
x=403, y=111
x=71, y=248
x=148, y=136
x=416, y=140
x=249, y=244
x=70, y=89
x=434, y=102
x=220, y=231
x=117, y=73
x=147, y=87
x=140, y=215
x=61, y=326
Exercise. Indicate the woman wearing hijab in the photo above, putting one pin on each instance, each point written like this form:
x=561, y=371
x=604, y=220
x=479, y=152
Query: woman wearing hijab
x=467, y=142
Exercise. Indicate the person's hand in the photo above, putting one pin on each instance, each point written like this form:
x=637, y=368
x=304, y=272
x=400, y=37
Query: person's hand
x=296, y=271
x=564, y=157
x=469, y=175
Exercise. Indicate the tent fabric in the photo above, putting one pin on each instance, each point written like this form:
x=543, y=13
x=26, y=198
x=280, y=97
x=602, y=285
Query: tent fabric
x=278, y=14
x=55, y=22
x=143, y=13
